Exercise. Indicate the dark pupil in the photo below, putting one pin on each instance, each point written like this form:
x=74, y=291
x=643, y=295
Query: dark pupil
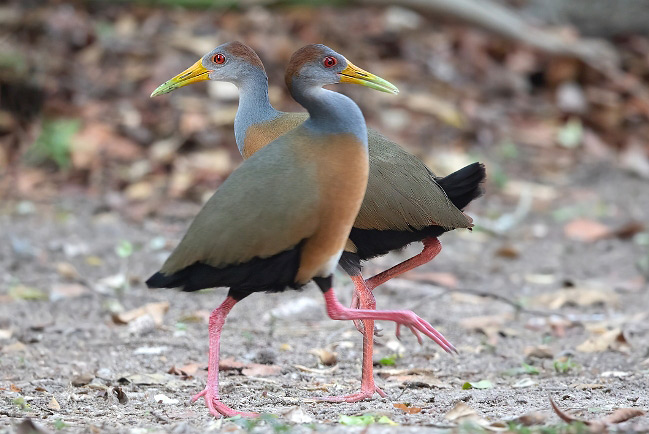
x=330, y=62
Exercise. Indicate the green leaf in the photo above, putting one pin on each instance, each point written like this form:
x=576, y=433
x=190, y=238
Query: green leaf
x=531, y=370
x=364, y=420
x=59, y=424
x=482, y=384
x=390, y=360
x=124, y=249
x=27, y=293
x=54, y=142
x=571, y=133
x=387, y=421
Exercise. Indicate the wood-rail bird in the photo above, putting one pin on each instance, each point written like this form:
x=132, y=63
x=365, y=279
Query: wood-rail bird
x=405, y=202
x=283, y=217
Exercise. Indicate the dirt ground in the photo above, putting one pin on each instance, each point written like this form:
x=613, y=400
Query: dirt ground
x=64, y=331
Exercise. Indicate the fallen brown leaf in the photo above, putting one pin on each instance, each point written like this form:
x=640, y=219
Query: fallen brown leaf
x=249, y=369
x=54, y=404
x=609, y=340
x=326, y=357
x=539, y=351
x=531, y=419
x=586, y=230
x=259, y=370
x=120, y=395
x=414, y=381
x=507, y=251
x=599, y=425
x=407, y=409
x=81, y=379
x=622, y=415
x=29, y=427
x=67, y=270
x=576, y=296
x=447, y=280
x=67, y=290
x=186, y=372
x=15, y=388
x=491, y=326
x=155, y=310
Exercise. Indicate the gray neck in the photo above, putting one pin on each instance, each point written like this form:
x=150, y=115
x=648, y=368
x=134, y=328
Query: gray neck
x=330, y=112
x=254, y=105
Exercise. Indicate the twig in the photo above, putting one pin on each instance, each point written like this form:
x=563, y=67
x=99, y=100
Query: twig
x=516, y=305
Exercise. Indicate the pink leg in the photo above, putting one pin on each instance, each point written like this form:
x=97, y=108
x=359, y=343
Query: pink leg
x=432, y=247
x=211, y=391
x=337, y=311
x=360, y=287
x=368, y=388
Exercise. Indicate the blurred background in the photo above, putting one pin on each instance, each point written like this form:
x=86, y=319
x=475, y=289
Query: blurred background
x=75, y=79
x=98, y=182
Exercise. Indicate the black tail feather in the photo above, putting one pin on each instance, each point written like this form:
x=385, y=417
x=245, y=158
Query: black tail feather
x=272, y=274
x=464, y=185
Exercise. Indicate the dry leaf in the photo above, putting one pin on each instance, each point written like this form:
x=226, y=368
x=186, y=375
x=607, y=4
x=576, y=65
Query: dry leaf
x=16, y=347
x=29, y=427
x=67, y=270
x=531, y=419
x=507, y=251
x=297, y=415
x=67, y=290
x=155, y=310
x=249, y=369
x=54, y=404
x=82, y=379
x=539, y=351
x=491, y=325
x=413, y=381
x=316, y=371
x=229, y=364
x=576, y=296
x=586, y=230
x=446, y=280
x=15, y=388
x=407, y=409
x=600, y=425
x=326, y=357
x=186, y=372
x=622, y=415
x=259, y=370
x=462, y=413
x=120, y=394
x=609, y=340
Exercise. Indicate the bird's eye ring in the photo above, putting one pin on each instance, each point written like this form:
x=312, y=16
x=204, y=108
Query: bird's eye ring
x=329, y=62
x=218, y=59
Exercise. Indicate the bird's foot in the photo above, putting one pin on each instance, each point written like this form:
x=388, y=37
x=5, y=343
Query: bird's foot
x=364, y=395
x=217, y=408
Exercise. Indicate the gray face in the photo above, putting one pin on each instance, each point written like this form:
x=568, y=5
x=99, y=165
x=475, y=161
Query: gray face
x=324, y=69
x=224, y=65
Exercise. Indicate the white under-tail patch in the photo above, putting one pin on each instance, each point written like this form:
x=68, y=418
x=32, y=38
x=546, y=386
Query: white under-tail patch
x=328, y=267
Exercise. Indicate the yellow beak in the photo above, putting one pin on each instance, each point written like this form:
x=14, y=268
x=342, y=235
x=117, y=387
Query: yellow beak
x=356, y=75
x=193, y=74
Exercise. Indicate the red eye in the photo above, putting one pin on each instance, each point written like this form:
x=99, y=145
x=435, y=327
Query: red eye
x=329, y=61
x=218, y=59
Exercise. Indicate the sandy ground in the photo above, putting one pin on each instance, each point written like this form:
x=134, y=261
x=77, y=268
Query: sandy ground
x=50, y=344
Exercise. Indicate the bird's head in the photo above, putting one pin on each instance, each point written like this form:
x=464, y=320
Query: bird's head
x=319, y=65
x=228, y=62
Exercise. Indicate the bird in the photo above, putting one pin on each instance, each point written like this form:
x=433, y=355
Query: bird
x=405, y=201
x=283, y=217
